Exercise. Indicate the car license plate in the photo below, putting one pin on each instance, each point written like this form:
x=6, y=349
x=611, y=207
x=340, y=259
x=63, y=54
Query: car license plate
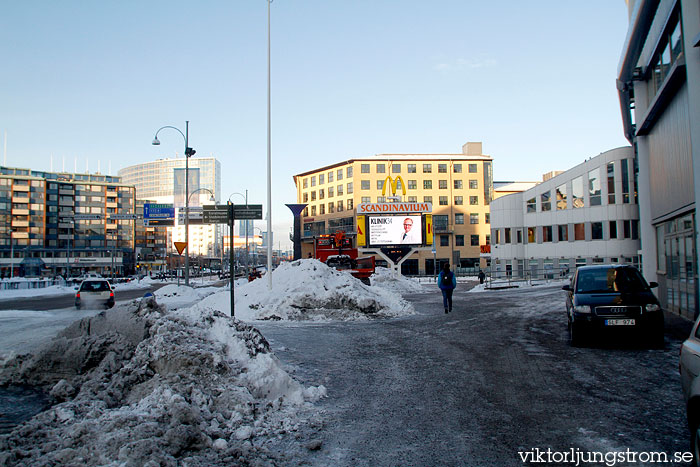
x=619, y=322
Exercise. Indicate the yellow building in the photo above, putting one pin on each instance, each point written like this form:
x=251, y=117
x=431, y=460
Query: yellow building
x=459, y=187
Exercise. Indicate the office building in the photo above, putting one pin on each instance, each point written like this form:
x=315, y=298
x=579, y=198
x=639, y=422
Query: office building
x=459, y=187
x=660, y=101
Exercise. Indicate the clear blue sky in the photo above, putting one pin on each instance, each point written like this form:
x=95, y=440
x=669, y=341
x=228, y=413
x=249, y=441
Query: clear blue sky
x=534, y=81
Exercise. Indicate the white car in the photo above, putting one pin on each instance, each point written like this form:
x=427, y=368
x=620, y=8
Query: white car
x=94, y=293
x=689, y=367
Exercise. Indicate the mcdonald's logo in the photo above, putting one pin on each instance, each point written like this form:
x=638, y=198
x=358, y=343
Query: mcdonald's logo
x=393, y=185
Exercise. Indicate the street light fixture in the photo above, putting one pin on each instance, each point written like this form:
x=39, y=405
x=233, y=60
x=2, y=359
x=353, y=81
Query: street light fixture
x=189, y=152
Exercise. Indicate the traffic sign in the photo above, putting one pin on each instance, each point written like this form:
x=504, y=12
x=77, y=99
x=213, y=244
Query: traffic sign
x=87, y=217
x=180, y=246
x=215, y=214
x=249, y=212
x=158, y=211
x=123, y=216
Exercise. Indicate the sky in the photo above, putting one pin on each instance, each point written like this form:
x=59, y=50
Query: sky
x=87, y=84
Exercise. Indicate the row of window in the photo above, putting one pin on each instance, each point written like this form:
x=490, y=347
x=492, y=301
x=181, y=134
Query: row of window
x=594, y=192
x=412, y=168
x=331, y=192
x=566, y=232
x=670, y=48
x=332, y=208
x=427, y=184
x=329, y=176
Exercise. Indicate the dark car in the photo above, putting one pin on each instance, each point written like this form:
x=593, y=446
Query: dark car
x=612, y=298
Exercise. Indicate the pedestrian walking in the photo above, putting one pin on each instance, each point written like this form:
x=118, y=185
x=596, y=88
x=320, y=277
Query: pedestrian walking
x=447, y=283
x=481, y=276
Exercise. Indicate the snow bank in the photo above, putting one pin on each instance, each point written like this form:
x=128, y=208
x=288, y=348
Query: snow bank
x=307, y=289
x=383, y=277
x=139, y=385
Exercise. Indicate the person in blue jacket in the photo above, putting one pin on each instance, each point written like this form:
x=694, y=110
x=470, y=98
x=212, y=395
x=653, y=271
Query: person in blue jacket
x=447, y=283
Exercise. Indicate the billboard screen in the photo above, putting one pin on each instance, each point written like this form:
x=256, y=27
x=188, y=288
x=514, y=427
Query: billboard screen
x=395, y=230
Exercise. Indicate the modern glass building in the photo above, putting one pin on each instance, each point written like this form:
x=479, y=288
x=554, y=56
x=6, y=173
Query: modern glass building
x=163, y=181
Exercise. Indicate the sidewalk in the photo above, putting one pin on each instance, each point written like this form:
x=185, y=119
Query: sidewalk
x=677, y=326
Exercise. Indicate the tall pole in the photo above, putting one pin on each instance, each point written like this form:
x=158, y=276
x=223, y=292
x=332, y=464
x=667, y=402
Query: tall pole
x=230, y=256
x=269, y=159
x=187, y=205
x=247, y=251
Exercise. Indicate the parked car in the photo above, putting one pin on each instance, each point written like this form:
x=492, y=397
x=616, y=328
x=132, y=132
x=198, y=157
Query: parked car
x=94, y=293
x=689, y=367
x=612, y=298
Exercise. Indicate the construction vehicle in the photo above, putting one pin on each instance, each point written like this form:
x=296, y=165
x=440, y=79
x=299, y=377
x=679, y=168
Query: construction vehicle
x=337, y=252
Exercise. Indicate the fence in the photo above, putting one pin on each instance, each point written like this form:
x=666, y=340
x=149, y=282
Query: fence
x=26, y=284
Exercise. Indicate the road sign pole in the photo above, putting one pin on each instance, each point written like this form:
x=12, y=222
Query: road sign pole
x=230, y=257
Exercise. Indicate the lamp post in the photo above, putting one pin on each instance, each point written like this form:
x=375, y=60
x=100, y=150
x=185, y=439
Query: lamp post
x=247, y=256
x=269, y=156
x=189, y=152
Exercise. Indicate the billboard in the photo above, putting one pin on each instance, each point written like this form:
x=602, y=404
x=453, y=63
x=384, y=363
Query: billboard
x=395, y=230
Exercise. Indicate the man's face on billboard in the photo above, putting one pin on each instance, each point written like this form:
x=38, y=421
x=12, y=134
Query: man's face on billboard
x=407, y=224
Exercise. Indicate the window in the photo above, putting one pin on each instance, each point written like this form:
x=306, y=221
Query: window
x=625, y=182
x=611, y=182
x=458, y=184
x=340, y=206
x=487, y=217
x=313, y=210
x=306, y=183
x=427, y=184
x=545, y=201
x=412, y=199
x=577, y=192
x=531, y=205
x=428, y=199
x=563, y=232
x=364, y=184
x=321, y=209
x=412, y=185
x=594, y=187
x=530, y=235
x=444, y=240
x=381, y=168
x=339, y=172
x=474, y=218
x=331, y=208
x=396, y=168
x=313, y=181
x=596, y=230
x=474, y=200
x=411, y=168
x=459, y=200
x=340, y=190
x=364, y=168
x=443, y=201
x=507, y=236
x=475, y=240
x=427, y=168
x=365, y=199
x=612, y=228
x=459, y=218
x=561, y=197
x=519, y=236
x=472, y=168
x=313, y=196
x=459, y=240
x=321, y=179
x=321, y=193
x=306, y=198
x=349, y=172
x=440, y=222
x=350, y=204
x=473, y=184
x=546, y=233
x=330, y=177
x=330, y=191
x=442, y=168
x=381, y=199
x=349, y=188
x=442, y=184
x=457, y=168
x=579, y=231
x=380, y=184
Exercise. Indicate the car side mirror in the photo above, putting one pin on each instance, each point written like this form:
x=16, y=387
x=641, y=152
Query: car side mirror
x=567, y=288
x=77, y=288
x=653, y=285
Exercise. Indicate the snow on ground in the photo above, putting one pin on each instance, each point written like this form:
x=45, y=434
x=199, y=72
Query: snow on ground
x=25, y=288
x=141, y=385
x=383, y=277
x=307, y=289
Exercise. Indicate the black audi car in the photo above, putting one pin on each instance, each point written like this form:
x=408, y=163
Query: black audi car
x=613, y=298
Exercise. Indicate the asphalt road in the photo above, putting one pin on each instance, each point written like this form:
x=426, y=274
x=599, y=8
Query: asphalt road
x=494, y=378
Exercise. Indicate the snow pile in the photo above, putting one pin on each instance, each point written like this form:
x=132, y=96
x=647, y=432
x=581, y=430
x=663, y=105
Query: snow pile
x=139, y=385
x=307, y=289
x=383, y=277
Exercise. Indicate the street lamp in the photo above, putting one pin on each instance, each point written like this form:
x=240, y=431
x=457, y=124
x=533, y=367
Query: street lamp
x=12, y=254
x=189, y=152
x=247, y=256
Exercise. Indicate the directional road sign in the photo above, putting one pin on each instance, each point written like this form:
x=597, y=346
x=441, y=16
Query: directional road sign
x=158, y=211
x=215, y=214
x=87, y=217
x=123, y=216
x=249, y=212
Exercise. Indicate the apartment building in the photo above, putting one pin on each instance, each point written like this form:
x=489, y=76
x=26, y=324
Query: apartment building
x=660, y=101
x=163, y=181
x=63, y=223
x=586, y=215
x=459, y=187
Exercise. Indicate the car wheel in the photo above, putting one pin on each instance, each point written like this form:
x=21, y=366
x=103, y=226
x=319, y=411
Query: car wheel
x=576, y=335
x=695, y=445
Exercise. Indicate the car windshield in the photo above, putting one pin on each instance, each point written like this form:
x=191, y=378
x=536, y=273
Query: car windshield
x=94, y=286
x=610, y=280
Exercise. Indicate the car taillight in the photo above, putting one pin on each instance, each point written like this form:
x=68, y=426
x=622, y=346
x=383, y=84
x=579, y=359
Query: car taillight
x=77, y=295
x=111, y=295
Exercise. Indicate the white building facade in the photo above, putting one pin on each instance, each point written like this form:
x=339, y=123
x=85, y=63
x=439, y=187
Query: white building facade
x=585, y=215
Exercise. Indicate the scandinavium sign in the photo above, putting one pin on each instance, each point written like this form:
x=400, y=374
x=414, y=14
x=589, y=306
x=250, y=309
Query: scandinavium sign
x=389, y=208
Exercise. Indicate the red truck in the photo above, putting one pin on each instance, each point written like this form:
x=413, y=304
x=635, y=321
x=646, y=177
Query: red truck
x=337, y=252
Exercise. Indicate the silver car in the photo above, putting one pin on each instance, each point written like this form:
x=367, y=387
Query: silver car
x=94, y=293
x=689, y=367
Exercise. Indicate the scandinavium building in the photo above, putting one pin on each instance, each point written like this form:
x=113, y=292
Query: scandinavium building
x=458, y=186
x=658, y=84
x=585, y=215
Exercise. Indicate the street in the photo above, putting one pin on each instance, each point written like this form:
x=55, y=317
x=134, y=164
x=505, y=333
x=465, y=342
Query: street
x=495, y=377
